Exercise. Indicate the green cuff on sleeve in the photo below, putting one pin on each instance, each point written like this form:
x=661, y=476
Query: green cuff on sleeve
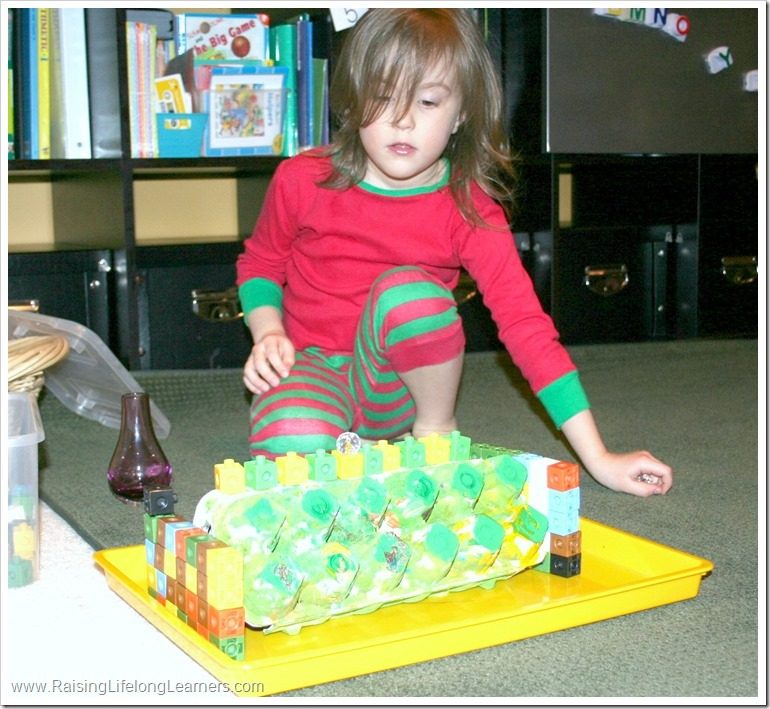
x=564, y=398
x=257, y=292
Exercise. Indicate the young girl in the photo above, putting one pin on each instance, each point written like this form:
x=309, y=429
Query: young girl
x=346, y=283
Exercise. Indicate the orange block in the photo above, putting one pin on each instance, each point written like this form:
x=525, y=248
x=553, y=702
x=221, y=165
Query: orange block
x=226, y=623
x=563, y=476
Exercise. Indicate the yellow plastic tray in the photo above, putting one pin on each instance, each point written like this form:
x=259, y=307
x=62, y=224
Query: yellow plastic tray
x=621, y=573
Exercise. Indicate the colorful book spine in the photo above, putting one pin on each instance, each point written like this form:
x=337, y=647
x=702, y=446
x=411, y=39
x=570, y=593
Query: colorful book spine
x=28, y=39
x=320, y=101
x=140, y=46
x=305, y=82
x=70, y=133
x=10, y=109
x=283, y=51
x=44, y=82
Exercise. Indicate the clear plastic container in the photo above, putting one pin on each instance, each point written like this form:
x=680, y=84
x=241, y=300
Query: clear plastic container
x=25, y=432
x=90, y=380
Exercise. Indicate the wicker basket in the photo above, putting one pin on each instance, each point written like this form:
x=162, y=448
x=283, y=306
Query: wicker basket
x=28, y=358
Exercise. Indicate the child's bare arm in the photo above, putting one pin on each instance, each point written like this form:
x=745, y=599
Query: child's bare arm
x=638, y=472
x=272, y=356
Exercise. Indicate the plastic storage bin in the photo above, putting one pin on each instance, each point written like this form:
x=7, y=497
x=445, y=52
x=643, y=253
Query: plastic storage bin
x=91, y=380
x=25, y=431
x=180, y=135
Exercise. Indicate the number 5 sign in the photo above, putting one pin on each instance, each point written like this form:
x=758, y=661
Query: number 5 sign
x=345, y=17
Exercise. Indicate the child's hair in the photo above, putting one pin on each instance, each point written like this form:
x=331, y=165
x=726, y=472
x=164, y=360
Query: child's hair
x=387, y=53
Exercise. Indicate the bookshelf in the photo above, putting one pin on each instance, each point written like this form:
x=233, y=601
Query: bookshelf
x=69, y=216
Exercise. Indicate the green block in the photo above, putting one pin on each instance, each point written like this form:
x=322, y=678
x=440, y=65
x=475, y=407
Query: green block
x=234, y=647
x=191, y=547
x=412, y=453
x=323, y=466
x=459, y=446
x=373, y=459
x=151, y=526
x=260, y=473
x=20, y=572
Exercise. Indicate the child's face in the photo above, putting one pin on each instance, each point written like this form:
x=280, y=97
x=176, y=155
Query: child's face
x=405, y=152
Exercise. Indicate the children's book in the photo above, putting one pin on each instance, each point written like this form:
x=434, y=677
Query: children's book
x=70, y=102
x=44, y=82
x=28, y=67
x=10, y=108
x=235, y=36
x=246, y=110
x=283, y=51
x=305, y=99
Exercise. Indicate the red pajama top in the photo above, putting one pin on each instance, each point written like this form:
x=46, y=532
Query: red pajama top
x=315, y=252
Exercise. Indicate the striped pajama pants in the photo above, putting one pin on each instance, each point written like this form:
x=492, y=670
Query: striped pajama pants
x=410, y=320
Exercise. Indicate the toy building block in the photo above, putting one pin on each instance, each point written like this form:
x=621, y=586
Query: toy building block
x=176, y=579
x=566, y=566
x=323, y=466
x=373, y=459
x=170, y=530
x=349, y=465
x=566, y=545
x=159, y=500
x=391, y=455
x=412, y=452
x=459, y=446
x=229, y=477
x=437, y=448
x=293, y=469
x=563, y=476
x=260, y=473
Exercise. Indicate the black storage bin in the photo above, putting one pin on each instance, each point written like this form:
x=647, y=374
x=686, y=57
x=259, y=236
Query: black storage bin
x=69, y=284
x=189, y=314
x=728, y=290
x=603, y=285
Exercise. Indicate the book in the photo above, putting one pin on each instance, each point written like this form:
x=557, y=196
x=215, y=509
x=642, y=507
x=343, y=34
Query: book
x=103, y=82
x=10, y=109
x=246, y=111
x=225, y=36
x=70, y=133
x=140, y=48
x=305, y=117
x=320, y=101
x=283, y=51
x=30, y=147
x=44, y=83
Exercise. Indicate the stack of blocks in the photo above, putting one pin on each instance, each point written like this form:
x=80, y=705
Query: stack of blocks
x=501, y=511
x=198, y=578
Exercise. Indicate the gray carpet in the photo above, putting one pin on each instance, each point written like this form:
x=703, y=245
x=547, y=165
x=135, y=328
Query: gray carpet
x=693, y=403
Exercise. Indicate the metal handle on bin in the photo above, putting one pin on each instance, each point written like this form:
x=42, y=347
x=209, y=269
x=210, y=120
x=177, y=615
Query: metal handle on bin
x=606, y=280
x=740, y=270
x=216, y=305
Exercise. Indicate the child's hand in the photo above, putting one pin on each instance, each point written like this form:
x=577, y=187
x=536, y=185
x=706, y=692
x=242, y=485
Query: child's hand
x=638, y=473
x=270, y=360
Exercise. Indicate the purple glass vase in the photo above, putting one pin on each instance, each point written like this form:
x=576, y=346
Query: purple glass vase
x=138, y=461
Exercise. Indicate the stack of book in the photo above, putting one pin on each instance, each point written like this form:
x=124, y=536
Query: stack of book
x=49, y=75
x=251, y=87
x=261, y=87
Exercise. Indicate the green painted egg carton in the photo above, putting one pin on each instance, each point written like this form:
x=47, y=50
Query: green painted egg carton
x=334, y=533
